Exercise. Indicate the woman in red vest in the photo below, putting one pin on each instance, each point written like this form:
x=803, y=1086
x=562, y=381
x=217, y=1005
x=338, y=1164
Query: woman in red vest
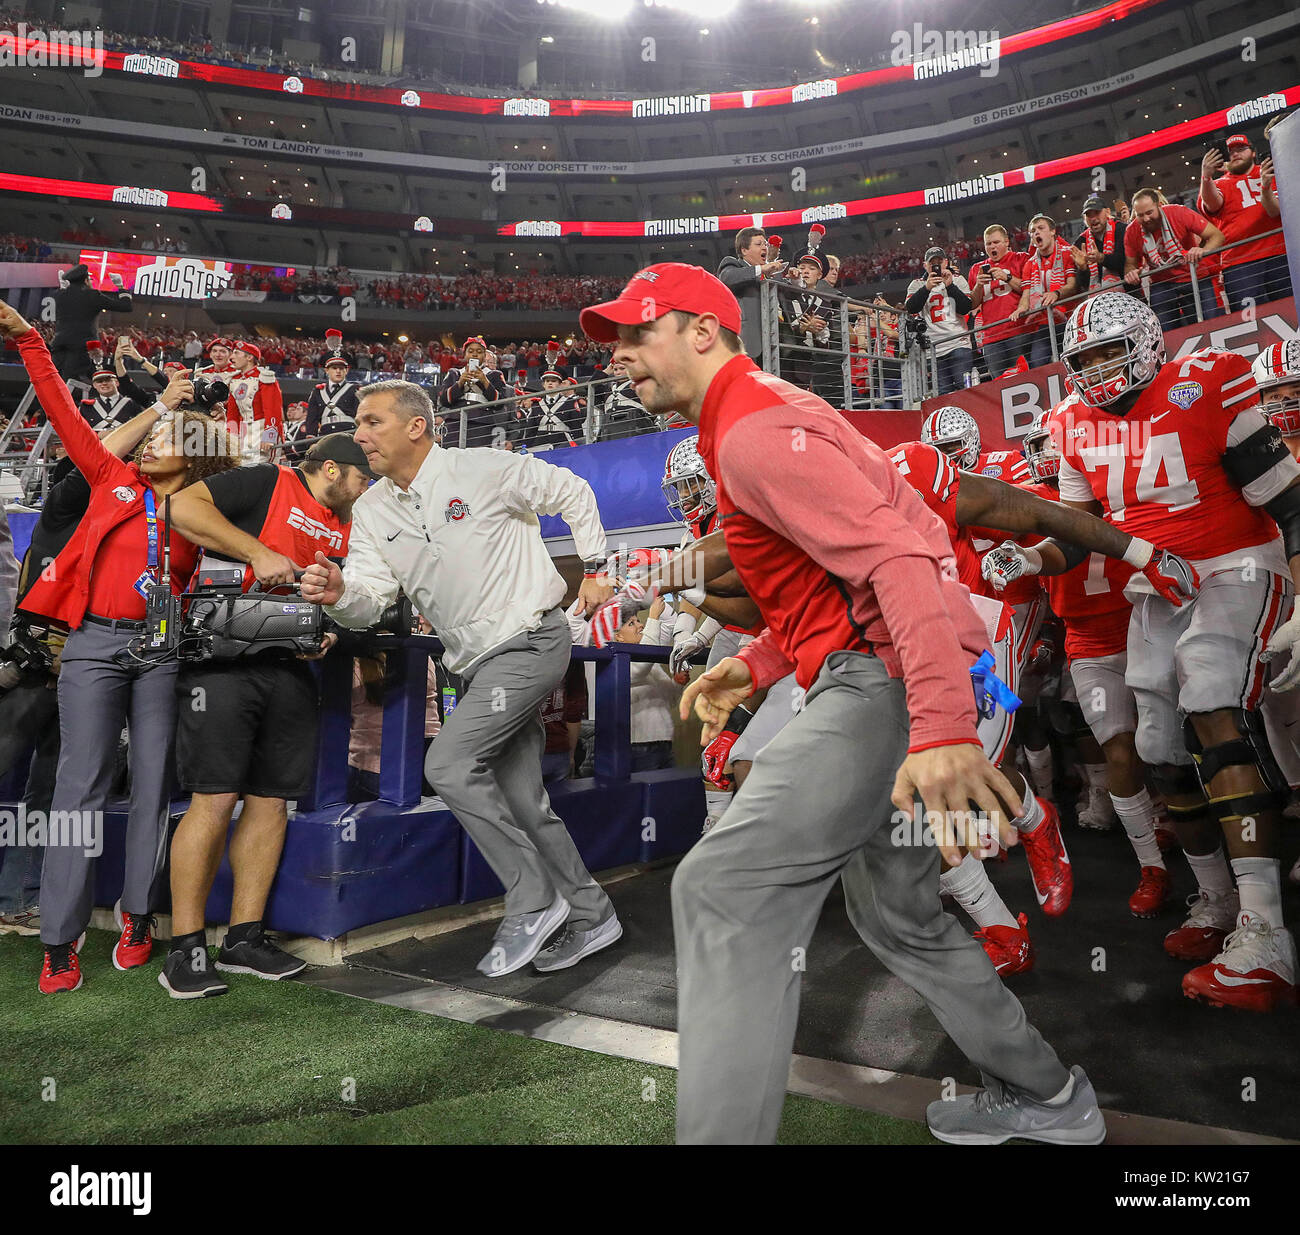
x=97, y=587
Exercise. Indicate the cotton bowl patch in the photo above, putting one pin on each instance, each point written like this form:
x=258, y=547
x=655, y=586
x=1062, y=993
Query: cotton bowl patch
x=1185, y=393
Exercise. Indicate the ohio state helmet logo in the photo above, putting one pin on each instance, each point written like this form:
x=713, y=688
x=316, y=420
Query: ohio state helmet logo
x=456, y=510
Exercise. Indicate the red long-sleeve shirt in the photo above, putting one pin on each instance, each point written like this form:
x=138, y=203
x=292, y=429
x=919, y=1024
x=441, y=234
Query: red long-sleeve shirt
x=837, y=550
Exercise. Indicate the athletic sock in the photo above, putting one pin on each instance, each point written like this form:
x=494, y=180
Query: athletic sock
x=716, y=802
x=1138, y=817
x=1031, y=812
x=241, y=932
x=1259, y=884
x=1064, y=1096
x=183, y=943
x=1211, y=871
x=1040, y=768
x=968, y=884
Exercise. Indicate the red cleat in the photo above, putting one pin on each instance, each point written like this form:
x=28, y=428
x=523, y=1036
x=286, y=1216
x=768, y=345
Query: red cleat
x=61, y=970
x=135, y=946
x=1201, y=936
x=1008, y=947
x=1255, y=972
x=1049, y=864
x=1152, y=891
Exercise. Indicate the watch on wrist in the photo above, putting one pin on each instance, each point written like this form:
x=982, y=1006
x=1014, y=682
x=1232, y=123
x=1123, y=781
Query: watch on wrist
x=595, y=567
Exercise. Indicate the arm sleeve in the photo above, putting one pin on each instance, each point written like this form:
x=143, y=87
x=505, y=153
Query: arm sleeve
x=766, y=661
x=915, y=299
x=860, y=537
x=120, y=302
x=960, y=294
x=528, y=484
x=449, y=392
x=369, y=586
x=1073, y=484
x=1284, y=473
x=738, y=276
x=85, y=450
x=144, y=398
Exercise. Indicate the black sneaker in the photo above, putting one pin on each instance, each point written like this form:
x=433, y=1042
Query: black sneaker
x=260, y=957
x=187, y=974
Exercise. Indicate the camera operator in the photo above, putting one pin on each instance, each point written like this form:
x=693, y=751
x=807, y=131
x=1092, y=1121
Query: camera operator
x=29, y=667
x=247, y=727
x=97, y=586
x=942, y=298
x=457, y=531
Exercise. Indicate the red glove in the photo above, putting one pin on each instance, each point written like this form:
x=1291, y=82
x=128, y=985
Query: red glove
x=716, y=754
x=1174, y=578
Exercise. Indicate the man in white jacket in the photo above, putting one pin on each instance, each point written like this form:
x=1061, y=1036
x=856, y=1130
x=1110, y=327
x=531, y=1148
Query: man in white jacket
x=457, y=531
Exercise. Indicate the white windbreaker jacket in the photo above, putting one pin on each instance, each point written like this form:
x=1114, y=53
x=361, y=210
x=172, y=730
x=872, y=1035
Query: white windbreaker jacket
x=464, y=543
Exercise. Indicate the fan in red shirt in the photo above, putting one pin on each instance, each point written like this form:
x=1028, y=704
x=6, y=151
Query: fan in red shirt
x=848, y=569
x=995, y=295
x=1161, y=234
x=1243, y=203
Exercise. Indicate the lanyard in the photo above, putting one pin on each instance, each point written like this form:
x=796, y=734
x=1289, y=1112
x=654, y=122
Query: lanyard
x=151, y=518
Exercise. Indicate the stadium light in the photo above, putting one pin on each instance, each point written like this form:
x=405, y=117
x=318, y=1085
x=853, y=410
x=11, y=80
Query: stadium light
x=610, y=10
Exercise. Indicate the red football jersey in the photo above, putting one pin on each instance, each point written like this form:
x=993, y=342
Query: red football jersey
x=1243, y=215
x=1089, y=599
x=1158, y=470
x=931, y=473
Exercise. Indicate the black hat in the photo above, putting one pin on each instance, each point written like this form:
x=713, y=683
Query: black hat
x=340, y=448
x=336, y=358
x=78, y=274
x=817, y=260
x=933, y=251
x=1094, y=203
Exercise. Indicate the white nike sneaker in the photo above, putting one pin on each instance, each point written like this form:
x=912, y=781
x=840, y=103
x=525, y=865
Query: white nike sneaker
x=1255, y=971
x=1096, y=811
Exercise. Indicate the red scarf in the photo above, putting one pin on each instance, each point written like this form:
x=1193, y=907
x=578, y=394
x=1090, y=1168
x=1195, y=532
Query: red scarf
x=1048, y=274
x=1093, y=255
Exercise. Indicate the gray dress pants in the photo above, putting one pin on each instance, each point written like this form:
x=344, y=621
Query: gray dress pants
x=97, y=695
x=746, y=900
x=486, y=764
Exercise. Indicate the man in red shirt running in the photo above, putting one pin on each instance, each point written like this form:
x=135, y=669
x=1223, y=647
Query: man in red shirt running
x=854, y=578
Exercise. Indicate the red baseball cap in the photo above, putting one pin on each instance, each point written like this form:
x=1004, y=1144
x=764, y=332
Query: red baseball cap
x=659, y=289
x=1239, y=139
x=250, y=349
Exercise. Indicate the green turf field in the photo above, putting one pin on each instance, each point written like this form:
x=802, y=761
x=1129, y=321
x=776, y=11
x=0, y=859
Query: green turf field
x=269, y=1062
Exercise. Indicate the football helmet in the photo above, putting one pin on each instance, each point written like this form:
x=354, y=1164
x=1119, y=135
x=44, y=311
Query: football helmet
x=1041, y=453
x=1279, y=365
x=1112, y=317
x=954, y=431
x=687, y=486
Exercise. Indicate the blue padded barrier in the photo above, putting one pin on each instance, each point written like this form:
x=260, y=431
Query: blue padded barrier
x=351, y=865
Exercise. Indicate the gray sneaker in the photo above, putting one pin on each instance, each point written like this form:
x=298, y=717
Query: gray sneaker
x=520, y=937
x=570, y=945
x=999, y=1113
x=21, y=922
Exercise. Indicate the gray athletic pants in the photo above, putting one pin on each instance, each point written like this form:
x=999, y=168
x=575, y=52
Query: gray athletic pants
x=96, y=697
x=486, y=764
x=747, y=897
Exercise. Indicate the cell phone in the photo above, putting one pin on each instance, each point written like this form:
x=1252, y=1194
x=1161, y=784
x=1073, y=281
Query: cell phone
x=473, y=365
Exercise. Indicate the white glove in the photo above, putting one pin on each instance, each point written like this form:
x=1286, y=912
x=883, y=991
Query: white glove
x=116, y=280
x=1284, y=642
x=683, y=650
x=1009, y=562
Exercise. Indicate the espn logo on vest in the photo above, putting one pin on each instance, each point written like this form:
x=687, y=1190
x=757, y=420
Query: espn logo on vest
x=317, y=531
